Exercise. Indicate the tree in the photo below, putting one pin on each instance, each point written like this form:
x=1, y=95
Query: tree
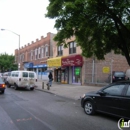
x=99, y=26
x=7, y=63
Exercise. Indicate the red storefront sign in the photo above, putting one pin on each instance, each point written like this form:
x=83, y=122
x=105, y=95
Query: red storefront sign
x=73, y=60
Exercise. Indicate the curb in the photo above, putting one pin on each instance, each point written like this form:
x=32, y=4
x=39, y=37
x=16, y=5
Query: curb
x=44, y=91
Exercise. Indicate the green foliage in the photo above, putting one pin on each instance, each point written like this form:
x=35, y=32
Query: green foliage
x=7, y=62
x=100, y=26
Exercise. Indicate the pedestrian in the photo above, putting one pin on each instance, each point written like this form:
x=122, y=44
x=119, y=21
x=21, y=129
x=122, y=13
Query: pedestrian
x=50, y=76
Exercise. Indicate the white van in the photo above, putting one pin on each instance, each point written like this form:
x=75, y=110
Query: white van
x=22, y=79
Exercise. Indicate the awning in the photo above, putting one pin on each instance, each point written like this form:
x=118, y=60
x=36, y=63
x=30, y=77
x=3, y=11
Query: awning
x=54, y=62
x=72, y=60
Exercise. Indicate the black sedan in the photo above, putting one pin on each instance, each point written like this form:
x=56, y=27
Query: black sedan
x=113, y=99
x=2, y=86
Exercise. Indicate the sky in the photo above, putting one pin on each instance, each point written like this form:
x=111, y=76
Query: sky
x=25, y=18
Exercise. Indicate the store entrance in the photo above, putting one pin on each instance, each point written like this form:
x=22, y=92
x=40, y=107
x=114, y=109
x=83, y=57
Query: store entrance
x=76, y=74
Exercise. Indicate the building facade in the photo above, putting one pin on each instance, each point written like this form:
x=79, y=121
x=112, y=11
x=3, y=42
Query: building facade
x=68, y=65
x=71, y=67
x=34, y=55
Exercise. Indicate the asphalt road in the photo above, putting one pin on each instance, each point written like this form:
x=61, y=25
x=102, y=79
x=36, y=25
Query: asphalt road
x=36, y=110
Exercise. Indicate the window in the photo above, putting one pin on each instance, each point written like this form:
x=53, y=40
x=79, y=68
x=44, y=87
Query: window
x=43, y=51
x=25, y=74
x=16, y=74
x=72, y=47
x=39, y=53
x=35, y=54
x=23, y=57
x=114, y=90
x=31, y=54
x=46, y=51
x=60, y=50
x=31, y=75
x=128, y=91
x=13, y=74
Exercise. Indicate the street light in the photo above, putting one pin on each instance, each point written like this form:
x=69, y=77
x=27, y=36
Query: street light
x=18, y=45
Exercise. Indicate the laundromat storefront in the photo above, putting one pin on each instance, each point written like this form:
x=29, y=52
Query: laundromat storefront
x=72, y=69
x=55, y=64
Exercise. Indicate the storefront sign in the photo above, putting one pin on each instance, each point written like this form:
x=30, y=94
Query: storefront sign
x=40, y=66
x=28, y=65
x=74, y=60
x=106, y=70
x=54, y=62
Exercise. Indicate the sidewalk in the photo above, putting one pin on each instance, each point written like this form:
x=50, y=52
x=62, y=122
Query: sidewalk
x=67, y=90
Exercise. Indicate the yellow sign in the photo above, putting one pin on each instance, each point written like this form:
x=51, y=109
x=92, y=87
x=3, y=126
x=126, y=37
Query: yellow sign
x=54, y=62
x=106, y=70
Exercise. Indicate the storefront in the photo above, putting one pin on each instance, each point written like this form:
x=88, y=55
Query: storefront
x=40, y=71
x=55, y=65
x=72, y=69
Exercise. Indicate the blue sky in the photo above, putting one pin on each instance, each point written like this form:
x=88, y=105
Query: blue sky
x=26, y=18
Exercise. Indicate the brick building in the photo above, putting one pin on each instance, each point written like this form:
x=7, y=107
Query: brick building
x=67, y=63
x=34, y=55
x=89, y=70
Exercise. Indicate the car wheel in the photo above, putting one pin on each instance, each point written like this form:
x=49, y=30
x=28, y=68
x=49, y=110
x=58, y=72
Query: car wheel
x=2, y=91
x=89, y=108
x=31, y=89
x=8, y=85
x=15, y=87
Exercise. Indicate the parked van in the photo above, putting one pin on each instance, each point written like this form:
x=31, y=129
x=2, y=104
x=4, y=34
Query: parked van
x=22, y=79
x=127, y=74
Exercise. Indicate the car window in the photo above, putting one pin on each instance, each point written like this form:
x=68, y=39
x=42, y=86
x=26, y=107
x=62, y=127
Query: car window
x=114, y=90
x=9, y=74
x=13, y=74
x=31, y=75
x=128, y=91
x=16, y=74
x=25, y=74
x=119, y=74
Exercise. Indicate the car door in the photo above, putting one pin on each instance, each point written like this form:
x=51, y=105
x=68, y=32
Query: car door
x=125, y=103
x=110, y=101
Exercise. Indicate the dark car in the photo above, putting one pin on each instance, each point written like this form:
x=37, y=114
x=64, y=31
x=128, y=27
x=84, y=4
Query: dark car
x=118, y=76
x=2, y=86
x=113, y=99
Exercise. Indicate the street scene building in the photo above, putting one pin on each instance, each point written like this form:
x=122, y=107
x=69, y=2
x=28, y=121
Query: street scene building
x=34, y=55
x=67, y=64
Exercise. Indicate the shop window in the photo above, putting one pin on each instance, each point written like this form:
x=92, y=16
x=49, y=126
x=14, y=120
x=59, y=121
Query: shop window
x=72, y=47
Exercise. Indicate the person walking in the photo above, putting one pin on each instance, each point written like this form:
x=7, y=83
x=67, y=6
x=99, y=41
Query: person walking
x=50, y=76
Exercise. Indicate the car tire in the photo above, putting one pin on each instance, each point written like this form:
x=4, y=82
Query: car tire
x=8, y=85
x=2, y=91
x=31, y=89
x=15, y=87
x=89, y=108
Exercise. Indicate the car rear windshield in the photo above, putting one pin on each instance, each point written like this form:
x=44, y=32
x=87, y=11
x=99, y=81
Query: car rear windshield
x=1, y=80
x=119, y=74
x=31, y=75
x=25, y=74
